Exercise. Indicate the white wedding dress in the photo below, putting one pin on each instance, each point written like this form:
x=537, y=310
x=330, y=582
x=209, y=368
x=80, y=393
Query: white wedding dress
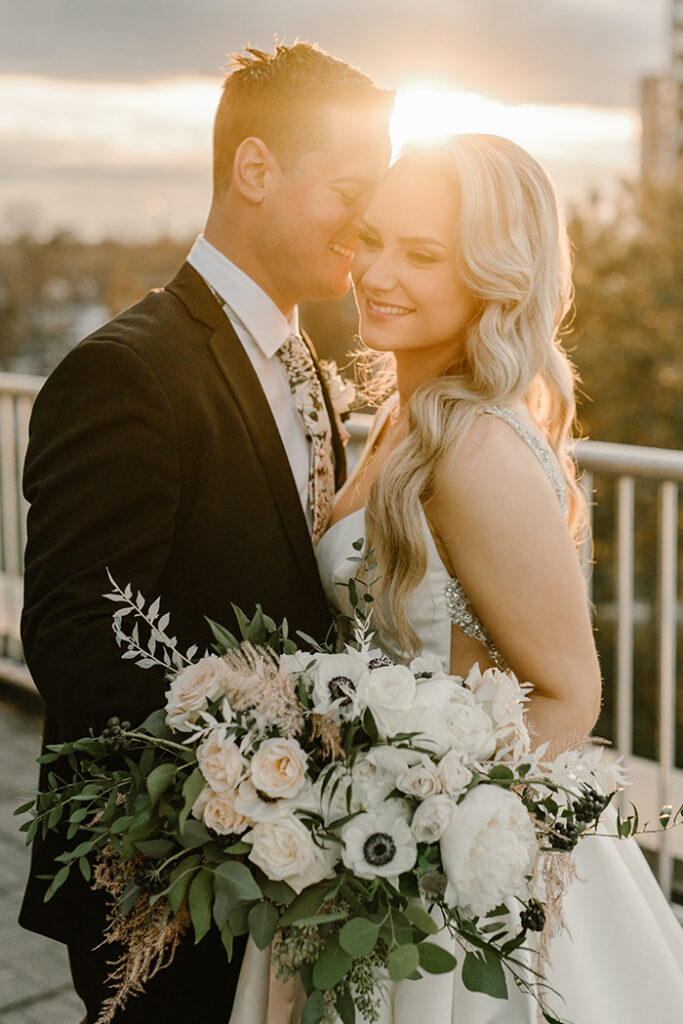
x=620, y=960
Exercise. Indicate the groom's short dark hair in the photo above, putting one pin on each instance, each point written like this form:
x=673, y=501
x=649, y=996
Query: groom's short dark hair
x=278, y=97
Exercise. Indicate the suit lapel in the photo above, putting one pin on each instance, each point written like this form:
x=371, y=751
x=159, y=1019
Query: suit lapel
x=246, y=391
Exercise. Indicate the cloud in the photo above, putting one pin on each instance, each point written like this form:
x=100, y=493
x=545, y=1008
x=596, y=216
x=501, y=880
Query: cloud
x=552, y=51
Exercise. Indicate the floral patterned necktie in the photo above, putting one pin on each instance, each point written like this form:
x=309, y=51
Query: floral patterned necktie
x=308, y=398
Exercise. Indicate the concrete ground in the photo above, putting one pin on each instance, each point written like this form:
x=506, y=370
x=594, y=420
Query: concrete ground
x=35, y=984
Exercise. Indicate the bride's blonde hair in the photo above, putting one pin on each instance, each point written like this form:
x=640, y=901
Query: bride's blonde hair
x=513, y=256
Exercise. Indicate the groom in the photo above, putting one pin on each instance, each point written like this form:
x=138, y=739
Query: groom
x=169, y=448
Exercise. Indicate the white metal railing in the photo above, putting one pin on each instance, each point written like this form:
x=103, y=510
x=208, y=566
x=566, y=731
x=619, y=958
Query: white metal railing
x=655, y=783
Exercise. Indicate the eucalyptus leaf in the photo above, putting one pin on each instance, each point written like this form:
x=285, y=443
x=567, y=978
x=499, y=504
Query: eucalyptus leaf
x=159, y=779
x=331, y=966
x=200, y=897
x=403, y=961
x=59, y=880
x=359, y=936
x=314, y=1009
x=263, y=922
x=434, y=959
x=305, y=905
x=238, y=880
x=418, y=916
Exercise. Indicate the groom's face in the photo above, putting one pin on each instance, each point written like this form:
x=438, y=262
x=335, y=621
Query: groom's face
x=314, y=206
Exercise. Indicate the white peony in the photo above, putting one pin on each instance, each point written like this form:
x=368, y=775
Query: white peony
x=488, y=850
x=378, y=844
x=220, y=761
x=453, y=773
x=504, y=700
x=420, y=780
x=220, y=814
x=335, y=684
x=284, y=849
x=278, y=768
x=432, y=818
x=447, y=715
x=192, y=689
x=389, y=692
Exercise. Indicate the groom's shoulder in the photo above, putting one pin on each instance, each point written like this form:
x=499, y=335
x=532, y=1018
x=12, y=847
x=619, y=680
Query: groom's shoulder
x=160, y=330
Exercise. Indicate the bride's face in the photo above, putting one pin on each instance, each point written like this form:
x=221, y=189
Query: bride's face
x=409, y=292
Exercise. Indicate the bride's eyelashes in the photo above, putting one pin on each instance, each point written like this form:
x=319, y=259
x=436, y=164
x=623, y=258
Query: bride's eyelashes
x=370, y=241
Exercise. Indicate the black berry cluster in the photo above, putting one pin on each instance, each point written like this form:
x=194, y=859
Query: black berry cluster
x=564, y=836
x=112, y=735
x=533, y=918
x=590, y=806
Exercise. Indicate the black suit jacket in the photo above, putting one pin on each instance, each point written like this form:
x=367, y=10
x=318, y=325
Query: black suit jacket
x=153, y=452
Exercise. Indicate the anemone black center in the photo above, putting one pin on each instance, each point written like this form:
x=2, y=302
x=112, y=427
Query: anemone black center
x=339, y=688
x=381, y=662
x=379, y=849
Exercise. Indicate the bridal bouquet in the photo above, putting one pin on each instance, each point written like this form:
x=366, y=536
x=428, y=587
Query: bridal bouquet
x=335, y=805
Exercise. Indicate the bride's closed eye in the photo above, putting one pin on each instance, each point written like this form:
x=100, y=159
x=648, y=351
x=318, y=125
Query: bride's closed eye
x=369, y=240
x=421, y=257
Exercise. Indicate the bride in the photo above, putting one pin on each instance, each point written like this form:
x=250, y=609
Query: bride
x=469, y=501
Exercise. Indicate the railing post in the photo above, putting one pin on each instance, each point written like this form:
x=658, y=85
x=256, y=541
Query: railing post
x=667, y=615
x=625, y=522
x=586, y=549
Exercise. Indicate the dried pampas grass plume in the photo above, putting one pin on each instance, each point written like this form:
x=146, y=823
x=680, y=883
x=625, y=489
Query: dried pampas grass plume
x=259, y=682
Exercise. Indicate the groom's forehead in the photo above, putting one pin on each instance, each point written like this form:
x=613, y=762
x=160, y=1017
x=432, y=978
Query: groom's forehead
x=354, y=135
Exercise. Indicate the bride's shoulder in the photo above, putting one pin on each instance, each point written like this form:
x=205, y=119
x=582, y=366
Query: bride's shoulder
x=492, y=463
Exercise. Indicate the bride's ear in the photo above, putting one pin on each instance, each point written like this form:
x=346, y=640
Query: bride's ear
x=253, y=165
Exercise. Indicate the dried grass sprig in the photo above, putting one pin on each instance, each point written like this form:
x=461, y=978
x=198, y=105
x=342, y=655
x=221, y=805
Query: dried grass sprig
x=150, y=935
x=261, y=684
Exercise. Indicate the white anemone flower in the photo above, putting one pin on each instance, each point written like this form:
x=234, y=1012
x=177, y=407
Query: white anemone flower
x=378, y=844
x=335, y=682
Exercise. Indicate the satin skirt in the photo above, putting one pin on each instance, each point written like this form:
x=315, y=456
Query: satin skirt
x=620, y=961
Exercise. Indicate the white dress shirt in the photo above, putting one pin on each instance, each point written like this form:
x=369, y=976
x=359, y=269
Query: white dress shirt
x=262, y=328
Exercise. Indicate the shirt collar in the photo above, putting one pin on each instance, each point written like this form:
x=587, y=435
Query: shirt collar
x=266, y=324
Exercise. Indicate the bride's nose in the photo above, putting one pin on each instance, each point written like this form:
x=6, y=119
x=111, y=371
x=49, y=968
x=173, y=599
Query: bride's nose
x=380, y=274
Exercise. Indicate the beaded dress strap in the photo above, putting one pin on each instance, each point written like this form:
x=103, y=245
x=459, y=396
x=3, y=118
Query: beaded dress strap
x=460, y=611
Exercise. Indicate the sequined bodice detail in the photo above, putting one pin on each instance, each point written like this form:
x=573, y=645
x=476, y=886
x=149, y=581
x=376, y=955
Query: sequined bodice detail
x=439, y=599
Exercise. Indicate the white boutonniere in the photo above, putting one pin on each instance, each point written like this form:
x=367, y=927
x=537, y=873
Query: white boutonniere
x=342, y=392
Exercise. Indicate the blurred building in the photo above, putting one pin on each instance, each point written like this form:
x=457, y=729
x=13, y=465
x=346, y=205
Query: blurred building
x=662, y=113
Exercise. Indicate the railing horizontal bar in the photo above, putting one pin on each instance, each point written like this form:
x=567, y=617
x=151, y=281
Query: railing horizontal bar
x=596, y=456
x=631, y=459
x=21, y=384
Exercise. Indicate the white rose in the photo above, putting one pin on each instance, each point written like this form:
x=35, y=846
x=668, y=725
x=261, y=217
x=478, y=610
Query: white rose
x=431, y=818
x=487, y=850
x=220, y=814
x=192, y=689
x=201, y=802
x=389, y=693
x=284, y=849
x=393, y=760
x=278, y=768
x=421, y=780
x=453, y=774
x=220, y=760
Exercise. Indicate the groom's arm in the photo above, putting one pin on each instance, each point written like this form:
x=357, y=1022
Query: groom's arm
x=102, y=479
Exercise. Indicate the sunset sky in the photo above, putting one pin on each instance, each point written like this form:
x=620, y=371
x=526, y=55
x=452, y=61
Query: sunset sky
x=106, y=105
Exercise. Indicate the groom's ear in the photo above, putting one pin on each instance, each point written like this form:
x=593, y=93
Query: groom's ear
x=253, y=165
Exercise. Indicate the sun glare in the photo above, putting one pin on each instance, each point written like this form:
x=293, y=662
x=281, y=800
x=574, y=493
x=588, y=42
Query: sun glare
x=432, y=111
